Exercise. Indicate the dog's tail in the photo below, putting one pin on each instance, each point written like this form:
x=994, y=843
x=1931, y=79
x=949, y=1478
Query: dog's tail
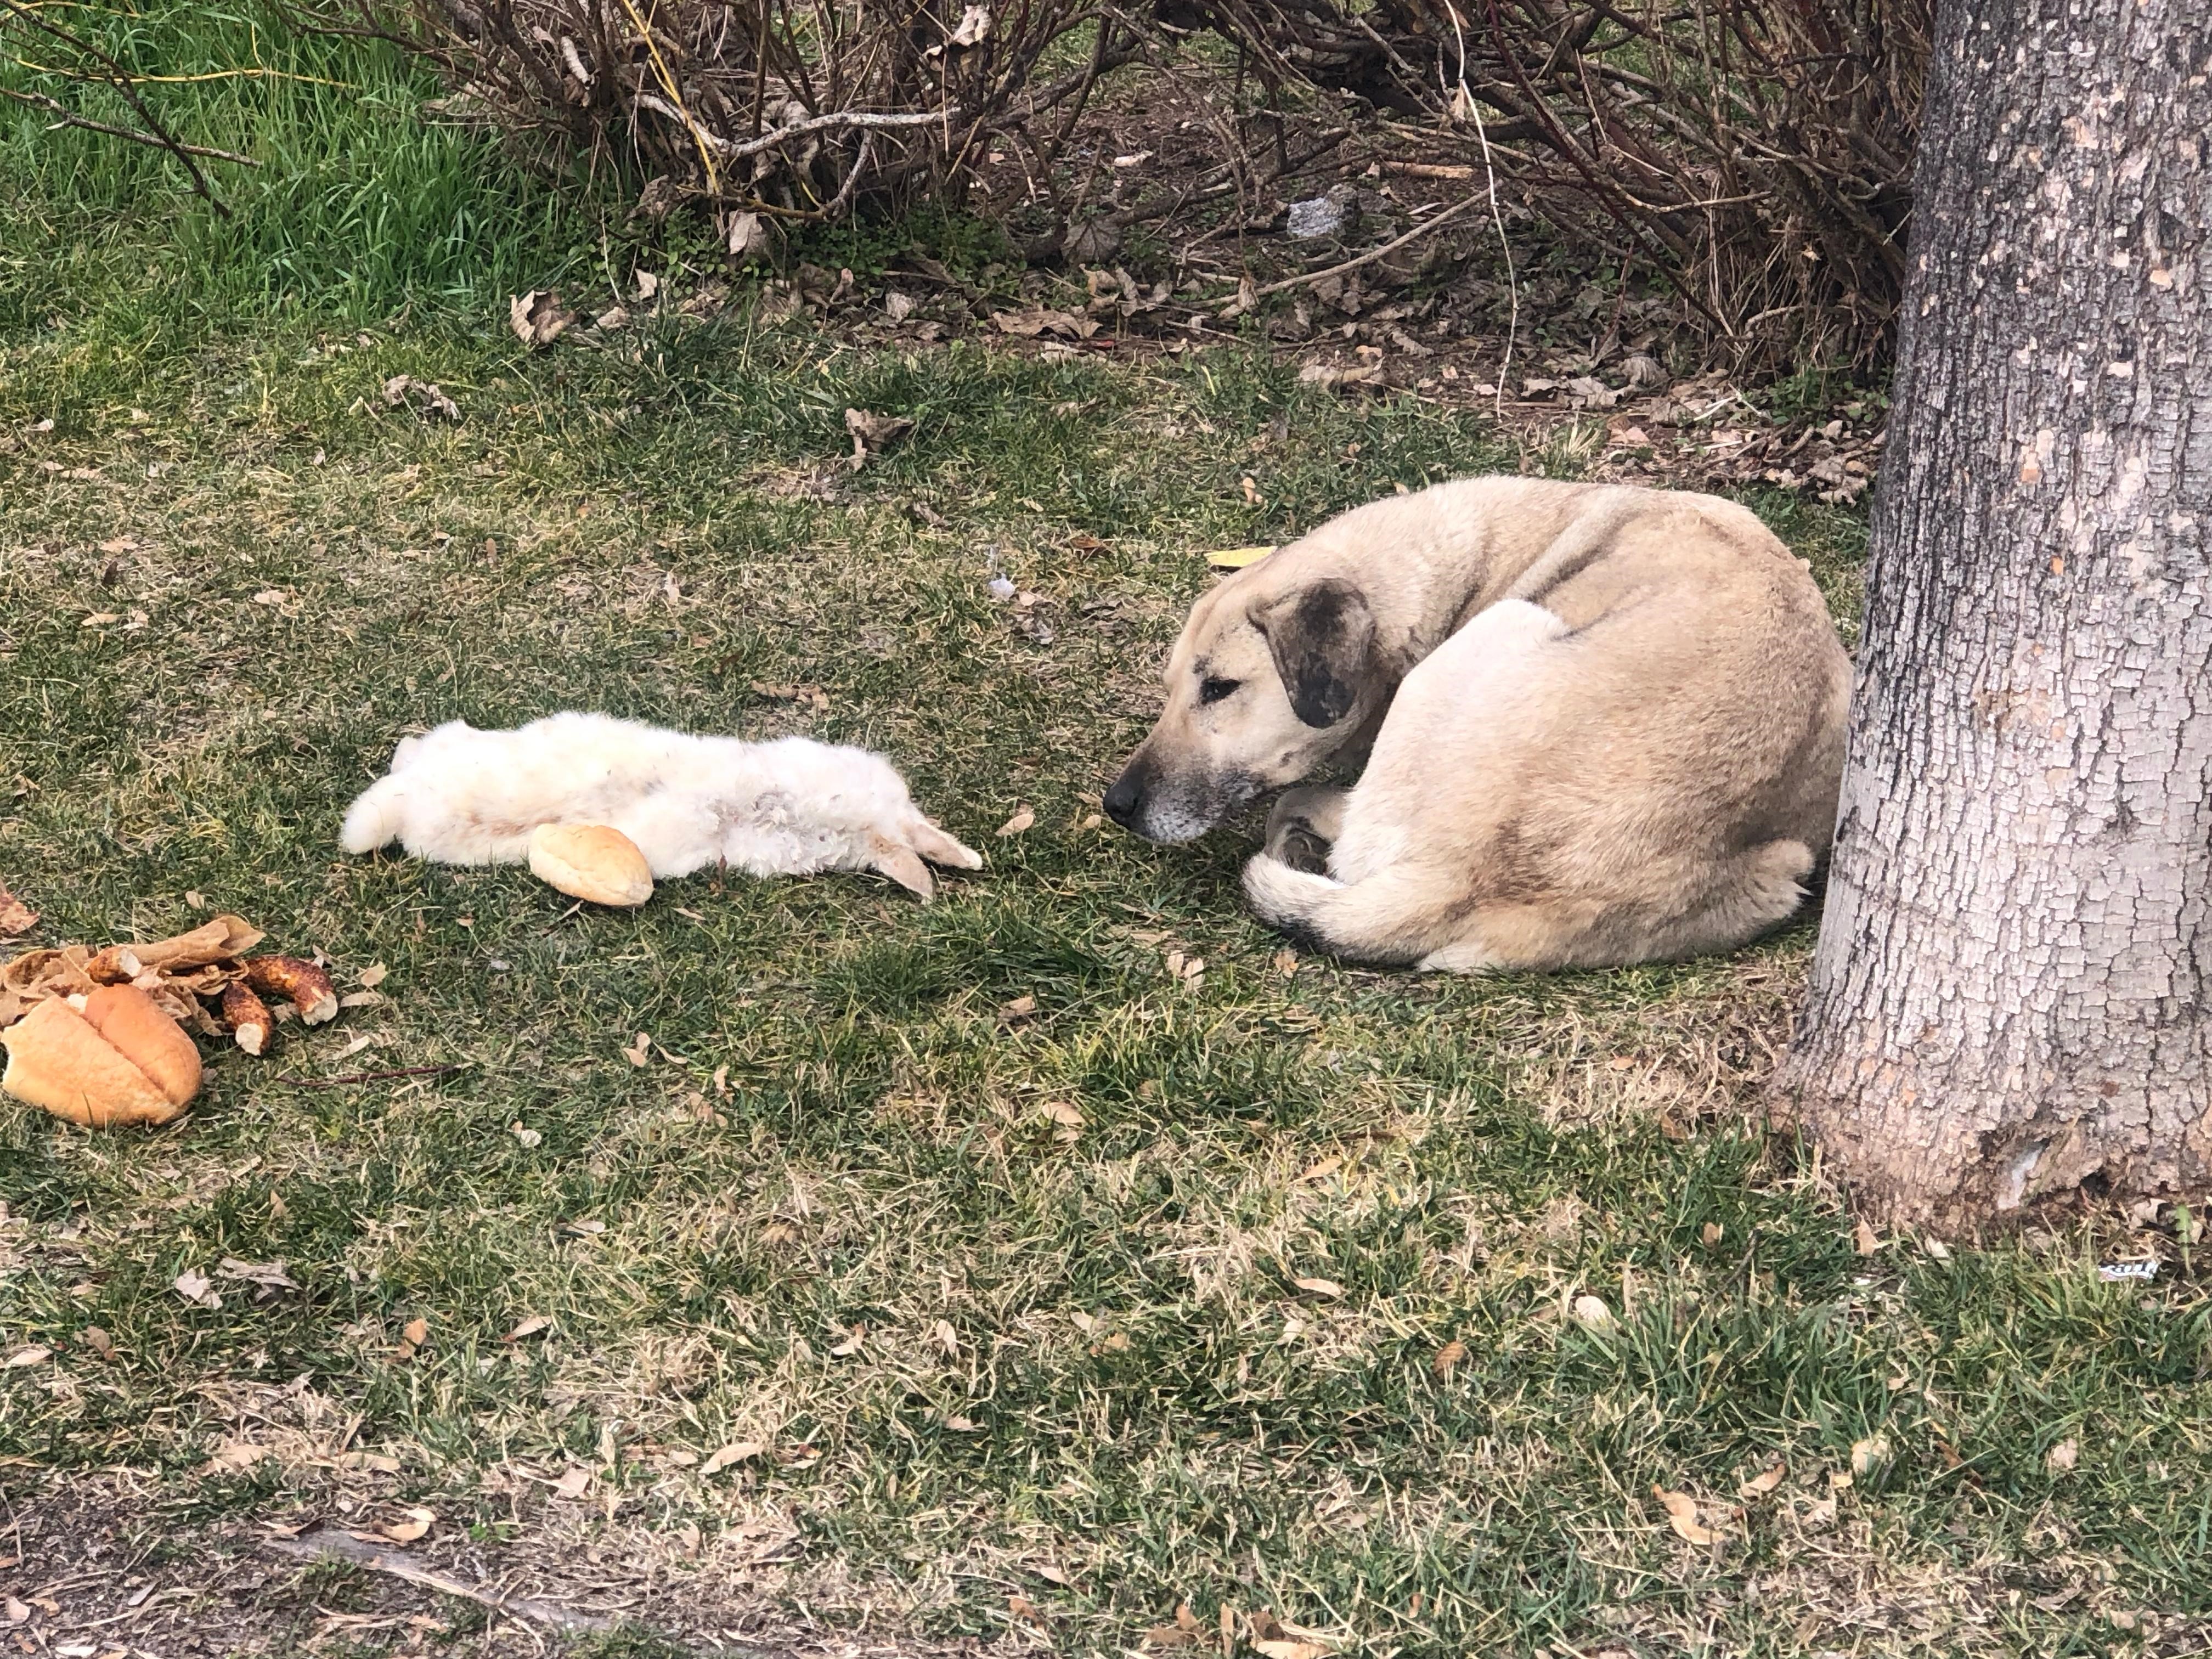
x=1392, y=919
x=374, y=819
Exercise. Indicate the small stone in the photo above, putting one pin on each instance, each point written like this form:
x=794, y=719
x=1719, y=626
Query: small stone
x=1335, y=214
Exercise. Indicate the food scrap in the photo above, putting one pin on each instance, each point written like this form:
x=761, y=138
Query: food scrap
x=100, y=1035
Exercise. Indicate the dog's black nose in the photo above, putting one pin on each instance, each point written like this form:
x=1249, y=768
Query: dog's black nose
x=1126, y=799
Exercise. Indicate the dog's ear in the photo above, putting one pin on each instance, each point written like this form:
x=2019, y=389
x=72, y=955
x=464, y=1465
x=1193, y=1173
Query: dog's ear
x=1323, y=639
x=901, y=864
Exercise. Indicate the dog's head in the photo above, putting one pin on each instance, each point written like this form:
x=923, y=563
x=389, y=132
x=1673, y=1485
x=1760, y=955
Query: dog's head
x=1268, y=681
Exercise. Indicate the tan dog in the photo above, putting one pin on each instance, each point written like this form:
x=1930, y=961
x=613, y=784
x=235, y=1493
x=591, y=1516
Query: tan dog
x=1605, y=725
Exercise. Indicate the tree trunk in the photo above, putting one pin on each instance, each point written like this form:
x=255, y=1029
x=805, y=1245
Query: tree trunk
x=2009, y=996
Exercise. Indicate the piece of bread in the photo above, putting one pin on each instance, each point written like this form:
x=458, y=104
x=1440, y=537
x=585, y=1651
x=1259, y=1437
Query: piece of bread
x=59, y=1060
x=591, y=861
x=136, y=1028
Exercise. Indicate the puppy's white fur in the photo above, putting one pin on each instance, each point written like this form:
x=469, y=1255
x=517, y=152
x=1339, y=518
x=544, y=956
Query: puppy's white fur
x=791, y=807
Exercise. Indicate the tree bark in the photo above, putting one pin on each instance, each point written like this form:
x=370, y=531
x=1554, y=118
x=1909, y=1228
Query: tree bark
x=2007, y=1000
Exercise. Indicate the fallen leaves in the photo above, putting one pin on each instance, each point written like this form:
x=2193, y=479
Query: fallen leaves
x=1870, y=1456
x=1024, y=816
x=1863, y=1237
x=2062, y=1458
x=741, y=1451
x=530, y=1326
x=574, y=1483
x=1682, y=1516
x=31, y=1356
x=414, y=1523
x=640, y=1051
x=196, y=1287
x=413, y=1335
x=1185, y=1632
x=420, y=398
x=1764, y=1482
x=16, y=916
x=267, y=1277
x=537, y=318
x=1591, y=1313
x=1448, y=1357
x=1030, y=321
x=872, y=433
x=1328, y=1287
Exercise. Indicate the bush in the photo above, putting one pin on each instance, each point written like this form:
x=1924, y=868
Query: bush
x=1758, y=153
x=780, y=109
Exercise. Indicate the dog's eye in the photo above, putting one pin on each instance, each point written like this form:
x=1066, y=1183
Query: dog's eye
x=1213, y=688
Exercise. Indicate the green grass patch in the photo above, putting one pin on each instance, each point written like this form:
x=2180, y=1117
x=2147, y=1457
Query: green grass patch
x=1010, y=1308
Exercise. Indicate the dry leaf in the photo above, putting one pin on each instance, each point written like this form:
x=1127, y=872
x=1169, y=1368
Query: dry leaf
x=946, y=1336
x=1171, y=1635
x=1032, y=320
x=537, y=318
x=530, y=1326
x=1682, y=1516
x=235, y=1454
x=374, y=1462
x=1449, y=1356
x=1021, y=819
x=2062, y=1456
x=1022, y=1608
x=100, y=1342
x=373, y=975
x=194, y=1285
x=1321, y=1171
x=16, y=916
x=573, y=1482
x=1870, y=1456
x=737, y=1452
x=1288, y=1649
x=269, y=1276
x=1710, y=1232
x=405, y=391
x=1592, y=1315
x=416, y=1525
x=960, y=1425
x=1287, y=963
x=640, y=1051
x=528, y=1137
x=1320, y=1286
x=1053, y=1573
x=31, y=1356
x=872, y=433
x=1020, y=1008
x=1764, y=1482
x=583, y=1228
x=1822, y=1514
x=1863, y=1235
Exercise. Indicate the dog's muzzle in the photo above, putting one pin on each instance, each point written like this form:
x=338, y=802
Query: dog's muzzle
x=1174, y=809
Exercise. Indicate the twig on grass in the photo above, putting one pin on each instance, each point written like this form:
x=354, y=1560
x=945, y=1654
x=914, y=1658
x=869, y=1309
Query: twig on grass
x=112, y=73
x=369, y=1077
x=326, y=1541
x=1372, y=254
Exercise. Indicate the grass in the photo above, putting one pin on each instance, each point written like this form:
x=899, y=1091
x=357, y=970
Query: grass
x=993, y=1359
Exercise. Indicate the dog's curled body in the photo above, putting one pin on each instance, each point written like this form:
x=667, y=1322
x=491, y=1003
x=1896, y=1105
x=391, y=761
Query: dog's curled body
x=789, y=807
x=1604, y=724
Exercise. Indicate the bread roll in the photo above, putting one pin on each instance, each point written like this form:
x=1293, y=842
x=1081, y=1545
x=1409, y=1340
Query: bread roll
x=591, y=861
x=57, y=1060
x=138, y=1031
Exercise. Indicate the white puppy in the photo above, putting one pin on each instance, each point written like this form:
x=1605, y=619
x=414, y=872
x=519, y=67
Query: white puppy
x=791, y=807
